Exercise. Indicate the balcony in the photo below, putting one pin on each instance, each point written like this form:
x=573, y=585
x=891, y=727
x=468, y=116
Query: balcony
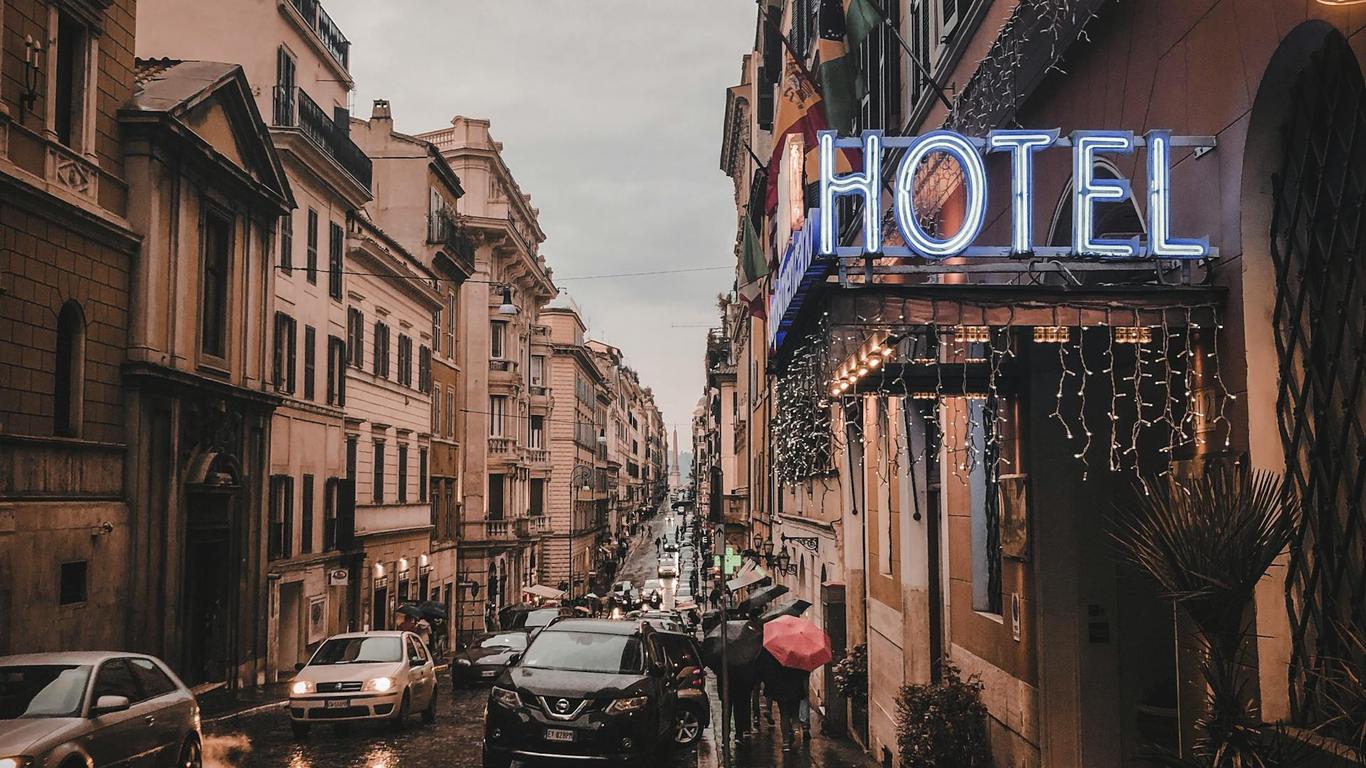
x=293, y=108
x=538, y=455
x=333, y=41
x=493, y=530
x=445, y=230
x=506, y=446
x=387, y=518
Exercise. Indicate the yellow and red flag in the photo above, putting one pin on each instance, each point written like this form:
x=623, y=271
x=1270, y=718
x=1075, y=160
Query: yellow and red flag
x=799, y=111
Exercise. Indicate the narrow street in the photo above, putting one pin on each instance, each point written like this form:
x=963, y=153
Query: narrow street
x=263, y=738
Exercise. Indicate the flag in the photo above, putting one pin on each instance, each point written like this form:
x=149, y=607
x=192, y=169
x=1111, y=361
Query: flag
x=753, y=268
x=798, y=112
x=835, y=69
x=860, y=20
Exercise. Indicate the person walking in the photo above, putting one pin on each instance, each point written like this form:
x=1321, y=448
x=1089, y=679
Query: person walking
x=788, y=687
x=737, y=696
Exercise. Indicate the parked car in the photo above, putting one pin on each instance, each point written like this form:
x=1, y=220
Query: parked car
x=664, y=621
x=364, y=676
x=684, y=659
x=584, y=688
x=487, y=656
x=95, y=708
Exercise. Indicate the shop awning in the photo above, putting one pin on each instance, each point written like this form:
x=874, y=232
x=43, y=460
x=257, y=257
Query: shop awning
x=748, y=575
x=540, y=590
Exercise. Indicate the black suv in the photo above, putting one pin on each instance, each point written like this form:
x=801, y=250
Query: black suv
x=584, y=688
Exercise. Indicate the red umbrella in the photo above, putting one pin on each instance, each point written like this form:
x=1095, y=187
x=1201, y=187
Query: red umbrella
x=797, y=643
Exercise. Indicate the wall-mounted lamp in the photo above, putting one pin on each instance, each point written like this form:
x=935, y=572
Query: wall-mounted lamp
x=33, y=72
x=507, y=307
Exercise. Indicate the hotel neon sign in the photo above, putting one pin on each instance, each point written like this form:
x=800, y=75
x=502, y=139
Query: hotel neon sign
x=807, y=255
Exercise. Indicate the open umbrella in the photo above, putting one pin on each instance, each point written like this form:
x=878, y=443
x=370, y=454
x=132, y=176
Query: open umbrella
x=408, y=609
x=760, y=598
x=711, y=620
x=744, y=640
x=797, y=643
x=432, y=610
x=794, y=607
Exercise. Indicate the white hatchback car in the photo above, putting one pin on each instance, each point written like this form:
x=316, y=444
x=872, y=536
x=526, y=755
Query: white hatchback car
x=95, y=709
x=364, y=676
x=668, y=567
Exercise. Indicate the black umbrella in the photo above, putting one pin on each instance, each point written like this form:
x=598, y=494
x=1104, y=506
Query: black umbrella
x=794, y=607
x=432, y=610
x=711, y=620
x=761, y=597
x=744, y=640
x=410, y=610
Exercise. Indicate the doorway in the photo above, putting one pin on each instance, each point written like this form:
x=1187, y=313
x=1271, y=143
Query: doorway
x=209, y=598
x=379, y=608
x=291, y=627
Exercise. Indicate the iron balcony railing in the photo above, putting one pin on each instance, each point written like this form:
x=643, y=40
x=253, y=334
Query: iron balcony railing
x=336, y=44
x=295, y=109
x=444, y=229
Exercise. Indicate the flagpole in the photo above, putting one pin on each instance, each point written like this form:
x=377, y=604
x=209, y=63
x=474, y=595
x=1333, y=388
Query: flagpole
x=915, y=60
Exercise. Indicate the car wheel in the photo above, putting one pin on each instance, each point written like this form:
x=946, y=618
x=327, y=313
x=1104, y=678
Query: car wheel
x=494, y=761
x=429, y=714
x=401, y=714
x=687, y=727
x=190, y=754
x=300, y=729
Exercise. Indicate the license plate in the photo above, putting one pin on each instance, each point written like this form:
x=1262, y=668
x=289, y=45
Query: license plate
x=558, y=734
x=337, y=703
x=489, y=673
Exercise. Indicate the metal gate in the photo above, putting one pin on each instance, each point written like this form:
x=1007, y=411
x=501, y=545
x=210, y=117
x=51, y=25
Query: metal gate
x=1320, y=327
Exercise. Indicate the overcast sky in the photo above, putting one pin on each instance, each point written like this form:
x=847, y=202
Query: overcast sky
x=610, y=114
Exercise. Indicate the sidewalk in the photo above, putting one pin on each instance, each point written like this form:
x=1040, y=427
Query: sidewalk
x=764, y=746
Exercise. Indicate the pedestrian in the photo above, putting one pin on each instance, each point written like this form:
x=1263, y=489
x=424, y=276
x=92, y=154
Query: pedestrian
x=740, y=690
x=788, y=687
x=406, y=623
x=714, y=597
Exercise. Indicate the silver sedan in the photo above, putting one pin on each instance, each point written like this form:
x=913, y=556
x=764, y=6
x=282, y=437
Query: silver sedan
x=95, y=709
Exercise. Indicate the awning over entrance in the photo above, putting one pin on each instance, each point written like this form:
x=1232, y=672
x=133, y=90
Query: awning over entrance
x=748, y=575
x=542, y=591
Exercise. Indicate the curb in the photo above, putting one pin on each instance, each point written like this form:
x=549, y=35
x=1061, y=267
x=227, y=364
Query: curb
x=441, y=669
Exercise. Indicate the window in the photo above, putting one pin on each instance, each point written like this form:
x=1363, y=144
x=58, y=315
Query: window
x=982, y=484
x=381, y=345
x=334, y=261
x=436, y=329
x=355, y=337
x=72, y=60
x=115, y=679
x=495, y=500
x=536, y=436
x=310, y=353
x=405, y=360
x=311, y=265
x=150, y=679
x=422, y=474
x=424, y=369
x=284, y=87
x=880, y=63
x=537, y=497
x=537, y=372
x=281, y=533
x=378, y=493
x=217, y=243
x=336, y=371
x=497, y=339
x=68, y=386
x=72, y=587
x=330, y=490
x=497, y=414
x=450, y=325
x=285, y=337
x=287, y=242
x=306, y=518
x=402, y=473
x=450, y=411
x=436, y=411
x=351, y=459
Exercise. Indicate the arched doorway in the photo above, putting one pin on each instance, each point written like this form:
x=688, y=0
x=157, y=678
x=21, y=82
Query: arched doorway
x=1317, y=246
x=210, y=599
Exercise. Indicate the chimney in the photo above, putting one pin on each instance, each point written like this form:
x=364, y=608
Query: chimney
x=381, y=111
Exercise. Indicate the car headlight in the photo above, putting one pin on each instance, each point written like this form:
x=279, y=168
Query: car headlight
x=506, y=697
x=16, y=762
x=632, y=704
x=380, y=684
x=463, y=662
x=299, y=687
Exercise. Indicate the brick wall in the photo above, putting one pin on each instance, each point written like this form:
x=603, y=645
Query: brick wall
x=46, y=265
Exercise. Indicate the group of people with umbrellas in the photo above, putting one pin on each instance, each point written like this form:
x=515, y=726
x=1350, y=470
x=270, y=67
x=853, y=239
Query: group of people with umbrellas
x=756, y=648
x=422, y=618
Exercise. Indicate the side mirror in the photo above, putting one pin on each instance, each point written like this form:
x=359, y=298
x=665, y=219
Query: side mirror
x=299, y=666
x=514, y=658
x=105, y=705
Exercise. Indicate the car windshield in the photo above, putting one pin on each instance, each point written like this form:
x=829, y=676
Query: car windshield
x=541, y=617
x=585, y=652
x=42, y=690
x=359, y=650
x=514, y=640
x=653, y=584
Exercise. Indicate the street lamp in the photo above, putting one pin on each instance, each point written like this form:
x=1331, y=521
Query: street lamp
x=507, y=307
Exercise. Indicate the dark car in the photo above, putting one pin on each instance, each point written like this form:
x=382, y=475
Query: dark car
x=487, y=657
x=584, y=689
x=537, y=617
x=684, y=659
